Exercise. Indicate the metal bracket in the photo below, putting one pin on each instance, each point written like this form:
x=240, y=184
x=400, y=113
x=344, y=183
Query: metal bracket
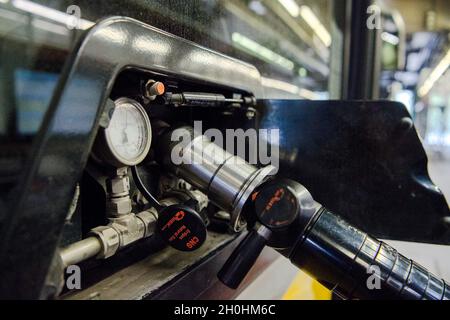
x=36, y=213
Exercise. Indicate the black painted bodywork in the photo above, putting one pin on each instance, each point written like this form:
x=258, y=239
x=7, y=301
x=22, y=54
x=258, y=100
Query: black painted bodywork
x=362, y=160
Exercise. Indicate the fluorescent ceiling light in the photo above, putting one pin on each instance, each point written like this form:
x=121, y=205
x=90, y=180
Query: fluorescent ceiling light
x=279, y=85
x=49, y=13
x=288, y=87
x=291, y=6
x=257, y=7
x=260, y=51
x=390, y=38
x=311, y=19
x=435, y=75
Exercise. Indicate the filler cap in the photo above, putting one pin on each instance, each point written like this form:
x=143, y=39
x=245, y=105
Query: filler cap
x=181, y=227
x=276, y=205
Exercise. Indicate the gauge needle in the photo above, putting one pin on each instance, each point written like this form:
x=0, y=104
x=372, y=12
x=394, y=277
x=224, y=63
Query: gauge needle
x=124, y=136
x=124, y=131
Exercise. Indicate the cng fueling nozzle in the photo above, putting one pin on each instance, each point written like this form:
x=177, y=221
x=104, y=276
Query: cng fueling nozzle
x=282, y=214
x=343, y=258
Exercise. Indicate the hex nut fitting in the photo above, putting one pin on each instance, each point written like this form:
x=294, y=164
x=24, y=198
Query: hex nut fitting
x=149, y=219
x=110, y=240
x=129, y=228
x=118, y=186
x=119, y=206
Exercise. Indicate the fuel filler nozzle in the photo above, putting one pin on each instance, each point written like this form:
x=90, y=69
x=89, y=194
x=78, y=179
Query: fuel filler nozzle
x=282, y=214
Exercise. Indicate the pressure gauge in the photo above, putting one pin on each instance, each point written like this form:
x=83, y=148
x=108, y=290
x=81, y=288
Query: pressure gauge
x=126, y=141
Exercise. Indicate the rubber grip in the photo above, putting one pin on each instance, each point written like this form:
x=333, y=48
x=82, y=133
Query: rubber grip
x=243, y=258
x=355, y=265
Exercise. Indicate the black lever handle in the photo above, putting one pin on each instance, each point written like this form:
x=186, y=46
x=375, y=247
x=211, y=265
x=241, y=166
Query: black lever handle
x=276, y=207
x=244, y=257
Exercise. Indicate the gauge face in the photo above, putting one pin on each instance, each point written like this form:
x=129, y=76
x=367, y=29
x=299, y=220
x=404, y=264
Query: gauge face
x=128, y=135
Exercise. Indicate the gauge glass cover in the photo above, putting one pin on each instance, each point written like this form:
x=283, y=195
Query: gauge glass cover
x=128, y=134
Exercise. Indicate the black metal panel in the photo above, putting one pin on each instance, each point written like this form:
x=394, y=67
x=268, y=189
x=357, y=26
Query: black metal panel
x=37, y=207
x=362, y=160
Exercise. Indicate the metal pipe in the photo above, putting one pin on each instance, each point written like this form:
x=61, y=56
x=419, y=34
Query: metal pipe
x=106, y=240
x=80, y=251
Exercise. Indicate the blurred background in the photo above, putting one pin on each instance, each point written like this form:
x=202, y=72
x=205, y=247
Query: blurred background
x=398, y=50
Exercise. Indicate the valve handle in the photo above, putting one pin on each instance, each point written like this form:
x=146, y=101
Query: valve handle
x=276, y=209
x=244, y=257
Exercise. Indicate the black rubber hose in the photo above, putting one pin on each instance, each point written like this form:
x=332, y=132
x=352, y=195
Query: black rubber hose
x=141, y=187
x=349, y=261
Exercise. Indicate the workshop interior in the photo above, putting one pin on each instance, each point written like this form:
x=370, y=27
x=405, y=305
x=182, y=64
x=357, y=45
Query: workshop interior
x=224, y=150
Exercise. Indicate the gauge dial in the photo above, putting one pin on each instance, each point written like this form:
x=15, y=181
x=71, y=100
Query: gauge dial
x=128, y=135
